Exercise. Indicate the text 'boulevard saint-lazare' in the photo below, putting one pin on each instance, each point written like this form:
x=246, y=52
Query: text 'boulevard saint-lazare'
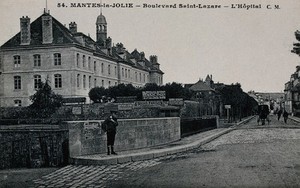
x=78, y=110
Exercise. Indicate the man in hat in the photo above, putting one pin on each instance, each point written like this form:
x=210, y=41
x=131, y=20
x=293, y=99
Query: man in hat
x=110, y=125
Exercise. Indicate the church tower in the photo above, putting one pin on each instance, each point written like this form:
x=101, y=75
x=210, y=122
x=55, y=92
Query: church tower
x=101, y=29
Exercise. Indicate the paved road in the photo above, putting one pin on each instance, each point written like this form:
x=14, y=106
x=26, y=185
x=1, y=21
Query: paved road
x=252, y=156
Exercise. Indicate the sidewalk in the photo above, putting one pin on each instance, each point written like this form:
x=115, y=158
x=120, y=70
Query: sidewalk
x=186, y=143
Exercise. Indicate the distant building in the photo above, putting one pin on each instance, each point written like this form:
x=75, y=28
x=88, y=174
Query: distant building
x=292, y=93
x=274, y=100
x=208, y=97
x=72, y=61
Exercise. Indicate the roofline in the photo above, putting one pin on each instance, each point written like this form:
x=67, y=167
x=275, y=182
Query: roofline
x=29, y=47
x=95, y=53
x=158, y=71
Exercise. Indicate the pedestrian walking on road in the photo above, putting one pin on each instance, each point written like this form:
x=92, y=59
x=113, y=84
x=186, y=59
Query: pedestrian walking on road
x=110, y=126
x=279, y=114
x=285, y=116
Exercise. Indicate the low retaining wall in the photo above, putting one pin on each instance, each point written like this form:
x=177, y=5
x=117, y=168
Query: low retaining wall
x=33, y=148
x=86, y=137
x=191, y=126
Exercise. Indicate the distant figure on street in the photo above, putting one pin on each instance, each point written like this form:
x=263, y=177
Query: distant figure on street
x=110, y=127
x=279, y=114
x=285, y=116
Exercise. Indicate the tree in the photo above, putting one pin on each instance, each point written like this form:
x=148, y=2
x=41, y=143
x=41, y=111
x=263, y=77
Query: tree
x=173, y=90
x=122, y=90
x=44, y=101
x=296, y=48
x=176, y=90
x=97, y=93
x=241, y=103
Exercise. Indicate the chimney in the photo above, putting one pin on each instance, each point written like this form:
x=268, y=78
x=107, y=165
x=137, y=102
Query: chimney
x=47, y=29
x=73, y=27
x=108, y=45
x=120, y=48
x=25, y=30
x=153, y=59
x=108, y=42
x=142, y=56
x=154, y=62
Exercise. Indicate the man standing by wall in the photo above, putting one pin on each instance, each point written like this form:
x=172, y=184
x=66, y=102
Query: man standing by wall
x=110, y=126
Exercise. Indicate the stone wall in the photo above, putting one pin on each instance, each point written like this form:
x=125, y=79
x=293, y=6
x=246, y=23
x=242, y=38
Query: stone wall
x=80, y=112
x=33, y=148
x=86, y=137
x=97, y=111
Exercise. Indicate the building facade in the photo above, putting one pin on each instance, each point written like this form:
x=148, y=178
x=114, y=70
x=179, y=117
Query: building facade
x=209, y=99
x=71, y=61
x=292, y=93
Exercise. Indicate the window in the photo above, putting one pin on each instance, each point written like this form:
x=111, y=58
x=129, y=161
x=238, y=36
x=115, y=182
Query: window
x=89, y=63
x=128, y=73
x=95, y=66
x=90, y=81
x=95, y=82
x=136, y=76
x=17, y=82
x=78, y=80
x=37, y=60
x=144, y=77
x=115, y=70
x=116, y=83
x=57, y=81
x=77, y=60
x=140, y=77
x=122, y=72
x=108, y=83
x=57, y=59
x=83, y=61
x=125, y=73
x=84, y=80
x=18, y=102
x=102, y=66
x=108, y=69
x=102, y=83
x=37, y=80
x=17, y=61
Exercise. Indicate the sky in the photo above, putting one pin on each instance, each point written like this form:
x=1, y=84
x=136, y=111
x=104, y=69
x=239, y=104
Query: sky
x=251, y=47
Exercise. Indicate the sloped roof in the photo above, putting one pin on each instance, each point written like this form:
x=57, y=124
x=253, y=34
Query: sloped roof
x=201, y=86
x=61, y=34
x=137, y=56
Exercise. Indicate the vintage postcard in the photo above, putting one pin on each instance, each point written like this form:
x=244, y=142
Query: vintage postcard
x=234, y=65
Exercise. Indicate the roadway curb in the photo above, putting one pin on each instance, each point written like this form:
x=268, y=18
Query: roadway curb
x=296, y=119
x=243, y=122
x=119, y=159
